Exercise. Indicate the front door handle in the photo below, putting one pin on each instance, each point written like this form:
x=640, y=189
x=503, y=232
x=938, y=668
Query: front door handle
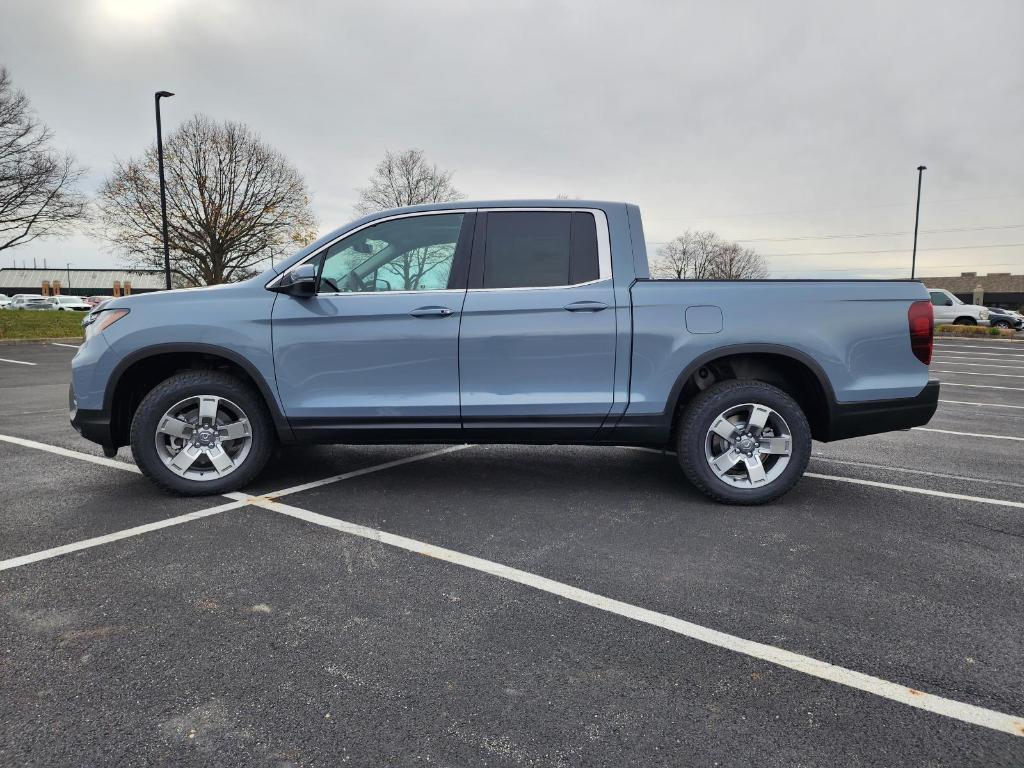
x=585, y=306
x=432, y=312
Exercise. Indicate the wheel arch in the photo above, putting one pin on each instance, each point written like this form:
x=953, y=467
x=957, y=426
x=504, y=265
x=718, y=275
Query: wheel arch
x=136, y=374
x=793, y=371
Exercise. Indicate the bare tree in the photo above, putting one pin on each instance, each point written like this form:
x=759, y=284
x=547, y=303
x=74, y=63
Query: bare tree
x=674, y=259
x=233, y=204
x=705, y=256
x=405, y=178
x=737, y=263
x=37, y=194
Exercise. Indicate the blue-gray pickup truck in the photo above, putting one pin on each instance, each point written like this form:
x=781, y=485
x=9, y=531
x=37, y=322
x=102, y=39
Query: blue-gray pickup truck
x=502, y=322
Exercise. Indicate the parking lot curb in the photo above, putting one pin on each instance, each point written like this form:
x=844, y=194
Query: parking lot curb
x=57, y=339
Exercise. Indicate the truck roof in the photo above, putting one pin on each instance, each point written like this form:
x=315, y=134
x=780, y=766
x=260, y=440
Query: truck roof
x=530, y=203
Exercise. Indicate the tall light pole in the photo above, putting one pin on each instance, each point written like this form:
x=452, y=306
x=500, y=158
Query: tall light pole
x=917, y=215
x=163, y=185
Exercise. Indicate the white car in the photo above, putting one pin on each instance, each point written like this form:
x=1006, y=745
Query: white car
x=950, y=310
x=4, y=300
x=69, y=304
x=19, y=300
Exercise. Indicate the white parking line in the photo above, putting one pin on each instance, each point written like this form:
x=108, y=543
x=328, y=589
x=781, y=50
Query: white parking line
x=58, y=344
x=958, y=710
x=238, y=499
x=921, y=491
x=34, y=413
x=359, y=472
x=986, y=347
x=908, y=471
x=981, y=355
x=977, y=365
x=101, y=460
x=977, y=373
x=968, y=434
x=983, y=405
x=78, y=546
x=980, y=386
x=16, y=362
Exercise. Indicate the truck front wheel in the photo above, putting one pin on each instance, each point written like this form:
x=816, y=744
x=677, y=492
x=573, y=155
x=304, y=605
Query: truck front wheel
x=201, y=432
x=743, y=442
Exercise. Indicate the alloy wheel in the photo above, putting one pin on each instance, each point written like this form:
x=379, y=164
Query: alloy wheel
x=748, y=445
x=203, y=437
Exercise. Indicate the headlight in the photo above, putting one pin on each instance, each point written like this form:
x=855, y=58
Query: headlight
x=97, y=322
x=983, y=314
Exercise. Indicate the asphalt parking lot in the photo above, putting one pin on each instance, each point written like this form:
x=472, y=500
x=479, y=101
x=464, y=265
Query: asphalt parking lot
x=511, y=606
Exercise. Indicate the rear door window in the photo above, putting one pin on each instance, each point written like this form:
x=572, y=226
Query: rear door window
x=538, y=249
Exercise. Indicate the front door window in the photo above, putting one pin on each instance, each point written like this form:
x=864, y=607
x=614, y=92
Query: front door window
x=416, y=253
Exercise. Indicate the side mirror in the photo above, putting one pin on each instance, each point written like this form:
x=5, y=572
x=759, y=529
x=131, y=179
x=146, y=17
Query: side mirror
x=299, y=282
x=949, y=302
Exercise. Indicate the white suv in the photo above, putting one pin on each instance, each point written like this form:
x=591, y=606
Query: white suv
x=949, y=309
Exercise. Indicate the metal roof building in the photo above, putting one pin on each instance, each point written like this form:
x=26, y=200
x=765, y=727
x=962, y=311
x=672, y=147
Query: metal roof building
x=996, y=289
x=80, y=282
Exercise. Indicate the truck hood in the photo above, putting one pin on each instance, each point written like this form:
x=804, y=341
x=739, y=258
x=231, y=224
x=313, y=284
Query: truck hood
x=211, y=292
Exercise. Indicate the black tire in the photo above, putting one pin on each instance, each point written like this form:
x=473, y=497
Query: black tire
x=702, y=412
x=190, y=384
x=1001, y=324
x=964, y=321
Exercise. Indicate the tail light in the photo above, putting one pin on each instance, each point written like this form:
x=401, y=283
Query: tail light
x=921, y=319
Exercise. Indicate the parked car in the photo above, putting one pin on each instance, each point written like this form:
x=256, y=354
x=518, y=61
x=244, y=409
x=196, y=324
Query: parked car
x=68, y=304
x=1005, y=318
x=42, y=305
x=19, y=300
x=94, y=301
x=4, y=300
x=507, y=322
x=950, y=310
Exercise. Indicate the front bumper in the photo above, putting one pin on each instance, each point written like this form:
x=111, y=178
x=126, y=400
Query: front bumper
x=874, y=416
x=93, y=425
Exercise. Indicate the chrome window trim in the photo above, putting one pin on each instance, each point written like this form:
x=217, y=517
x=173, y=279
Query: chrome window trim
x=604, y=251
x=604, y=248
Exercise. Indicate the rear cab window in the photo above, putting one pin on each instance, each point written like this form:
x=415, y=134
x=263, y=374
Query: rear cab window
x=539, y=249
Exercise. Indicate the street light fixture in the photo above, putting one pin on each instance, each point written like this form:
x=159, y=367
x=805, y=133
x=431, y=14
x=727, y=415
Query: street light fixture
x=163, y=185
x=917, y=215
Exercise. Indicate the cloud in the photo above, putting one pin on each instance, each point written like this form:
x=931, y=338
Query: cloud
x=756, y=120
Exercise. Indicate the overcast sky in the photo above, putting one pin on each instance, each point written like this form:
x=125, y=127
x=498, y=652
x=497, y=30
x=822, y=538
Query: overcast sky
x=766, y=122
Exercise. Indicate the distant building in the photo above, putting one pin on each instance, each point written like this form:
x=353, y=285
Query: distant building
x=996, y=289
x=80, y=282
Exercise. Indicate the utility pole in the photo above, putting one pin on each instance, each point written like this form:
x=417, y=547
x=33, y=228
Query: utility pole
x=163, y=186
x=917, y=215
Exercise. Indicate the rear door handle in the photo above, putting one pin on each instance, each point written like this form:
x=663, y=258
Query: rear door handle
x=585, y=306
x=432, y=312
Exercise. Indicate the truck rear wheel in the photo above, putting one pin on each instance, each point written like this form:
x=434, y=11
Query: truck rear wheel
x=743, y=442
x=200, y=433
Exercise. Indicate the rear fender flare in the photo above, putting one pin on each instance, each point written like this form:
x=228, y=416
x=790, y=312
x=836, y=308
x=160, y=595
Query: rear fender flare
x=746, y=349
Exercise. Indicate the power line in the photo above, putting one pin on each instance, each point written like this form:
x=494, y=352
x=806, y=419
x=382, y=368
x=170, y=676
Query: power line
x=893, y=250
x=828, y=210
x=893, y=269
x=874, y=234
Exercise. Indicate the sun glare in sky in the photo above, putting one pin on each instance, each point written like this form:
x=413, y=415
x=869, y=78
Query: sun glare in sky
x=138, y=11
